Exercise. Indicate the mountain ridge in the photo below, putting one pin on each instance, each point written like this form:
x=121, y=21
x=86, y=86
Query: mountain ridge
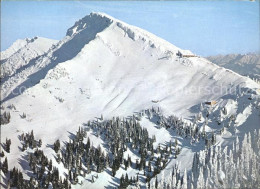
x=22, y=53
x=70, y=46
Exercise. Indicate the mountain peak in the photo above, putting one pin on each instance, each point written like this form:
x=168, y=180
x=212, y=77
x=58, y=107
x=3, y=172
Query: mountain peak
x=92, y=20
x=97, y=22
x=102, y=15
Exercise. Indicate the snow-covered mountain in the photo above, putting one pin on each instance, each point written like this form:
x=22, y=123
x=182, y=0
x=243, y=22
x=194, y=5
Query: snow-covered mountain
x=244, y=64
x=22, y=54
x=106, y=67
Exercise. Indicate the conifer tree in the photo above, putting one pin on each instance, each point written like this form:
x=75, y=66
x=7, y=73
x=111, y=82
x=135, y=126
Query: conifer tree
x=156, y=182
x=57, y=146
x=7, y=145
x=5, y=166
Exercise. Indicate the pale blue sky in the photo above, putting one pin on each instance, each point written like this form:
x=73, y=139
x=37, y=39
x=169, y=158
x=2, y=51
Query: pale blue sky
x=206, y=28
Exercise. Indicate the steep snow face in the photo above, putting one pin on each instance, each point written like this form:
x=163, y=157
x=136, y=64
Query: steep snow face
x=247, y=64
x=105, y=66
x=84, y=32
x=64, y=50
x=90, y=21
x=22, y=53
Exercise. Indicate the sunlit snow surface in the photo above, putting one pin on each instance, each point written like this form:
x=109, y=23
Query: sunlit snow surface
x=105, y=66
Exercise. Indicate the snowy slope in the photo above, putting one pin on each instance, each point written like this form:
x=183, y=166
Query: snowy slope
x=18, y=44
x=22, y=53
x=105, y=66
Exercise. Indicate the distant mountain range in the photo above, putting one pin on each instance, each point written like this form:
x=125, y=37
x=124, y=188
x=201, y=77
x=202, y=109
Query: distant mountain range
x=244, y=64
